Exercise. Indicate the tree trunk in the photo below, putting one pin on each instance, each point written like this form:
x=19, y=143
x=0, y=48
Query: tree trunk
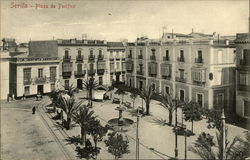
x=147, y=108
x=82, y=137
x=192, y=126
x=170, y=117
x=68, y=123
x=91, y=98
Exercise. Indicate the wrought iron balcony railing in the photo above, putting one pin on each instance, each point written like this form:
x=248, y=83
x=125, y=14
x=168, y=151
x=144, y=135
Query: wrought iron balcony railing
x=181, y=79
x=92, y=58
x=181, y=59
x=198, y=60
x=140, y=57
x=66, y=58
x=27, y=81
x=80, y=73
x=79, y=58
x=152, y=57
x=66, y=74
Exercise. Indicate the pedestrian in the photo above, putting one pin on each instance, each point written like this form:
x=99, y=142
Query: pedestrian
x=34, y=110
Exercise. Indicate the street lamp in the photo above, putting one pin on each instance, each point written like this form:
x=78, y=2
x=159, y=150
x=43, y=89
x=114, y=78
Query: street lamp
x=223, y=134
x=176, y=136
x=137, y=136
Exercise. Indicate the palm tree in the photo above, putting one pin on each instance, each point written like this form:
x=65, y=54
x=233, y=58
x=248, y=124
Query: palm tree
x=54, y=97
x=207, y=149
x=120, y=91
x=70, y=90
x=168, y=102
x=69, y=106
x=89, y=85
x=146, y=95
x=83, y=117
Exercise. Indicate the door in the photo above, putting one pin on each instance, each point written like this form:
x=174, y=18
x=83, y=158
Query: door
x=40, y=89
x=79, y=84
x=117, y=77
x=182, y=95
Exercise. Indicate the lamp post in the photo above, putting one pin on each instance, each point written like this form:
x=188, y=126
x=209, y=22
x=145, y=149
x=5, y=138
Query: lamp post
x=185, y=152
x=137, y=136
x=223, y=131
x=176, y=136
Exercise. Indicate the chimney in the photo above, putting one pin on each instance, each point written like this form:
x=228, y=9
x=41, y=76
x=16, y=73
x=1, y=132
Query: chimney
x=192, y=30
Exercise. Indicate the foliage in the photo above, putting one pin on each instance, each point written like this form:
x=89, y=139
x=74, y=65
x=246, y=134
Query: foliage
x=146, y=95
x=120, y=91
x=97, y=131
x=83, y=117
x=168, y=102
x=192, y=112
x=241, y=150
x=55, y=98
x=133, y=96
x=207, y=148
x=90, y=85
x=70, y=106
x=182, y=131
x=213, y=119
x=117, y=145
x=70, y=90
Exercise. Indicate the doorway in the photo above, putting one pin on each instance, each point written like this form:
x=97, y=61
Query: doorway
x=79, y=84
x=40, y=89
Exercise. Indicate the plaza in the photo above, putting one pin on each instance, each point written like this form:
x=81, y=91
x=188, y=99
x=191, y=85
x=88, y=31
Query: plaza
x=41, y=137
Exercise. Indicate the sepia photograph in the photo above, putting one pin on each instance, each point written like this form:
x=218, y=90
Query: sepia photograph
x=125, y=79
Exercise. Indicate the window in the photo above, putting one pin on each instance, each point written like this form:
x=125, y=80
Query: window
x=182, y=95
x=66, y=84
x=219, y=101
x=181, y=71
x=247, y=108
x=140, y=53
x=79, y=67
x=117, y=65
x=79, y=53
x=123, y=77
x=199, y=54
x=91, y=67
x=130, y=82
x=166, y=89
x=153, y=52
x=67, y=67
x=100, y=52
x=153, y=86
x=130, y=52
x=91, y=53
x=243, y=79
x=66, y=53
x=219, y=56
x=199, y=99
x=52, y=72
x=140, y=84
x=100, y=80
x=26, y=74
x=167, y=55
x=40, y=72
x=199, y=75
x=141, y=68
x=181, y=54
x=26, y=90
x=52, y=87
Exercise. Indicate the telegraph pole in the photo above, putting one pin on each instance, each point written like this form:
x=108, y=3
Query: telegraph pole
x=223, y=132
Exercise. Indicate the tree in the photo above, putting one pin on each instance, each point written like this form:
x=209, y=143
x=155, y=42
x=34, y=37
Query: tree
x=120, y=91
x=168, y=102
x=70, y=107
x=83, y=117
x=55, y=98
x=146, y=95
x=133, y=95
x=213, y=119
x=208, y=149
x=192, y=112
x=97, y=131
x=117, y=145
x=70, y=90
x=90, y=85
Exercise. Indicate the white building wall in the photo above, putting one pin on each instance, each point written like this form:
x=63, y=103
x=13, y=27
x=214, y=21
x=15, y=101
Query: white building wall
x=4, y=75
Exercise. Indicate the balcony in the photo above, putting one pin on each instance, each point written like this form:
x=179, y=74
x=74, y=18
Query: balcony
x=140, y=57
x=199, y=83
x=100, y=71
x=79, y=58
x=199, y=60
x=180, y=79
x=165, y=58
x=117, y=58
x=91, y=58
x=181, y=59
x=244, y=62
x=100, y=57
x=152, y=74
x=140, y=72
x=40, y=80
x=152, y=58
x=80, y=73
x=91, y=72
x=166, y=77
x=123, y=59
x=27, y=81
x=66, y=74
x=66, y=58
x=244, y=88
x=111, y=58
x=52, y=79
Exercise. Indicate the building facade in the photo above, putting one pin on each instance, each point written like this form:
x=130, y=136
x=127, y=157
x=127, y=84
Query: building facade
x=243, y=75
x=4, y=73
x=196, y=68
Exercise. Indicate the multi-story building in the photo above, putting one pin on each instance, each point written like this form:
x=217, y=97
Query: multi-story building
x=243, y=75
x=197, y=68
x=81, y=59
x=4, y=73
x=116, y=61
x=37, y=72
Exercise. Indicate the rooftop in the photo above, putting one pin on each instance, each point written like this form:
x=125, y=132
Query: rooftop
x=242, y=38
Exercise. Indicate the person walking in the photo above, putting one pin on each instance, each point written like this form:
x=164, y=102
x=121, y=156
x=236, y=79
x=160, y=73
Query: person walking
x=34, y=110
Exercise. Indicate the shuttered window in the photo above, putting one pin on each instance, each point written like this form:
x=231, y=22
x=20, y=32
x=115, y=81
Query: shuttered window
x=165, y=70
x=199, y=75
x=67, y=67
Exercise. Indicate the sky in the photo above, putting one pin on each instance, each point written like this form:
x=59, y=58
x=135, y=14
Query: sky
x=121, y=19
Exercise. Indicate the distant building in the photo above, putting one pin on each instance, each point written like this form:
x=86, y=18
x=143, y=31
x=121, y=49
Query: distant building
x=194, y=67
x=4, y=73
x=116, y=61
x=243, y=75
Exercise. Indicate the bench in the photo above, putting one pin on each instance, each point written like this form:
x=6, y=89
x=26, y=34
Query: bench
x=116, y=100
x=127, y=104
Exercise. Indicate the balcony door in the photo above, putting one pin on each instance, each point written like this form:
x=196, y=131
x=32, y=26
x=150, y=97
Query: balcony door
x=79, y=84
x=182, y=95
x=246, y=56
x=79, y=67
